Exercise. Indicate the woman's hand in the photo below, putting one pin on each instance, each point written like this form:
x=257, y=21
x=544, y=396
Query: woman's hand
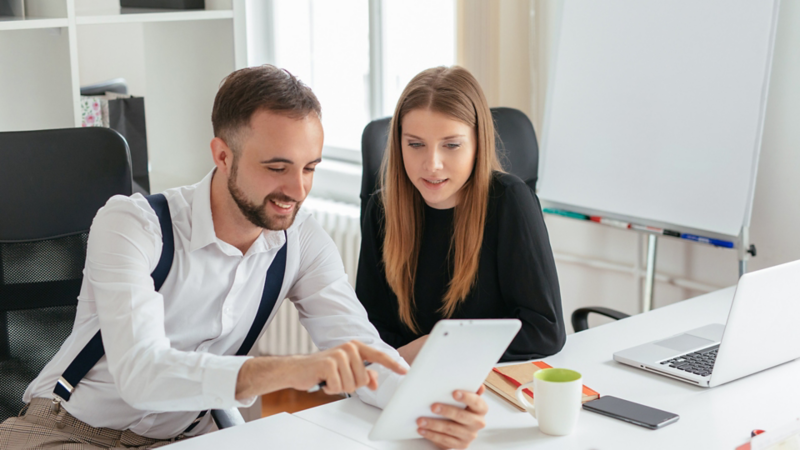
x=458, y=427
x=410, y=350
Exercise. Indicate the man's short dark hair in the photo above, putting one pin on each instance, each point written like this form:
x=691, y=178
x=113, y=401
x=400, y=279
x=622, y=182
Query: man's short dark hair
x=246, y=91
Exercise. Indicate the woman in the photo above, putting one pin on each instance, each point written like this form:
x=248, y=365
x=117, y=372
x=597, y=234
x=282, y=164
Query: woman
x=450, y=235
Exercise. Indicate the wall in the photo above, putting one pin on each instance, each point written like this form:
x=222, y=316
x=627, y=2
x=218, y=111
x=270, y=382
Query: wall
x=121, y=56
x=516, y=37
x=35, y=92
x=493, y=43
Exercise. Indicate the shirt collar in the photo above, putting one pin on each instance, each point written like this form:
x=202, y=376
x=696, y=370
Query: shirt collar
x=203, y=233
x=202, y=225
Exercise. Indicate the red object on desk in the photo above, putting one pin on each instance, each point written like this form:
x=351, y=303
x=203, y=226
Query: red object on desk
x=540, y=365
x=753, y=434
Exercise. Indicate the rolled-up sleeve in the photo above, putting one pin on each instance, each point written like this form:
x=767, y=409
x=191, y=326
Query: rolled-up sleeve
x=124, y=247
x=330, y=311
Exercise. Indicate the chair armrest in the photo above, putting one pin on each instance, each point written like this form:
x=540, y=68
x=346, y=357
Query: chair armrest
x=226, y=418
x=580, y=317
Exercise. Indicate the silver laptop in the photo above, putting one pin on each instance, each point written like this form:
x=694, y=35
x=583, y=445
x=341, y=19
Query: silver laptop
x=763, y=330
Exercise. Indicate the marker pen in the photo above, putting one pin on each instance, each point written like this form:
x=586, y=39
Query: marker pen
x=569, y=214
x=705, y=240
x=656, y=230
x=610, y=222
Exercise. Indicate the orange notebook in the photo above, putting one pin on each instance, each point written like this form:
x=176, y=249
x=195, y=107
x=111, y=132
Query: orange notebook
x=505, y=380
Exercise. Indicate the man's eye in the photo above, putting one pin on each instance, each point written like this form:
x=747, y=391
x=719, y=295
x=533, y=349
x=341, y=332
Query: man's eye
x=277, y=169
x=310, y=169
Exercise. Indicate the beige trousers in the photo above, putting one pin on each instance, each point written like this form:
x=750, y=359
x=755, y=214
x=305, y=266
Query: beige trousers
x=43, y=425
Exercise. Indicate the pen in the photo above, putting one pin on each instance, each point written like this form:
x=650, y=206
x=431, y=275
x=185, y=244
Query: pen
x=610, y=222
x=705, y=240
x=656, y=230
x=323, y=384
x=570, y=214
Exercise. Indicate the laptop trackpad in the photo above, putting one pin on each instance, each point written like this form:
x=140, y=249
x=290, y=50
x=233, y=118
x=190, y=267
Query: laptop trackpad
x=684, y=342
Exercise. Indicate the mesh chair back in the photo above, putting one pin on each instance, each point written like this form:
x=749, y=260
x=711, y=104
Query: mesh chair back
x=53, y=183
x=515, y=140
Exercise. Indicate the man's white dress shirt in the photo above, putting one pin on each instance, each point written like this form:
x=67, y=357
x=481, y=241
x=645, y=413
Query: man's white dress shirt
x=169, y=354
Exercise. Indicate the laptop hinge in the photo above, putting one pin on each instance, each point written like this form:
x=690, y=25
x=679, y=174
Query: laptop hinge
x=667, y=374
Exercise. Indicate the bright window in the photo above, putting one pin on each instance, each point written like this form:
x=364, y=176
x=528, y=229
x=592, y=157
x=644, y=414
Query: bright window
x=417, y=35
x=327, y=44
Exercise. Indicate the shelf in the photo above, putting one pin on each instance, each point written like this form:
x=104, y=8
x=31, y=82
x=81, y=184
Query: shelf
x=137, y=15
x=18, y=23
x=175, y=59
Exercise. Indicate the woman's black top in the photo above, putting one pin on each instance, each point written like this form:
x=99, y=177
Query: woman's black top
x=516, y=276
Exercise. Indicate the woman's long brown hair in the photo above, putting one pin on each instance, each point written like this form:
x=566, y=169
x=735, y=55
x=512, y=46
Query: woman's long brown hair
x=452, y=91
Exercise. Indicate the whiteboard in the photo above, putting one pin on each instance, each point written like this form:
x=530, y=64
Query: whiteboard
x=656, y=109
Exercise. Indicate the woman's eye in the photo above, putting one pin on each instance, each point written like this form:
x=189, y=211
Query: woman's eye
x=415, y=144
x=453, y=145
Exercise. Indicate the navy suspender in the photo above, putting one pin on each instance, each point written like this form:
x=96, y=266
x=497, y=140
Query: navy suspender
x=93, y=351
x=160, y=206
x=272, y=288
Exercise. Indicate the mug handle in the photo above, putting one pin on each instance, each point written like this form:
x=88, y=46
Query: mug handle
x=523, y=399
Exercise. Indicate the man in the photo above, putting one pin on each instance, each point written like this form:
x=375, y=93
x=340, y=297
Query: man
x=170, y=349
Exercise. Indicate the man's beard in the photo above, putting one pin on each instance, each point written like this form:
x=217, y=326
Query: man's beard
x=257, y=214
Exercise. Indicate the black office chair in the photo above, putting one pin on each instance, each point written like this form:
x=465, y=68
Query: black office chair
x=517, y=149
x=580, y=317
x=52, y=183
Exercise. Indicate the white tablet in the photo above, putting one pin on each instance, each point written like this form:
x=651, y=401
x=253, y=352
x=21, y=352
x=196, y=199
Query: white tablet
x=458, y=354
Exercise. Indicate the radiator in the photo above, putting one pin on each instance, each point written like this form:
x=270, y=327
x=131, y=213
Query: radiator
x=285, y=335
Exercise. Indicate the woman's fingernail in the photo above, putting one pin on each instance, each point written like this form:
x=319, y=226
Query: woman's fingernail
x=458, y=395
x=423, y=422
x=437, y=409
x=422, y=432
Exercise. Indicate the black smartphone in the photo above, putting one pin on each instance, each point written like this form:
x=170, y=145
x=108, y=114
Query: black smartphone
x=634, y=413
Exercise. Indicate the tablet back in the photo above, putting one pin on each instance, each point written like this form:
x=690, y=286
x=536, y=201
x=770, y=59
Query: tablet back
x=458, y=354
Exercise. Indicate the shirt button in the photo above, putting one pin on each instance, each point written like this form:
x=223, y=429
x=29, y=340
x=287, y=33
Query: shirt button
x=228, y=310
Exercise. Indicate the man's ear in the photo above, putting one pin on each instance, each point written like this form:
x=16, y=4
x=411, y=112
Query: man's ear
x=223, y=155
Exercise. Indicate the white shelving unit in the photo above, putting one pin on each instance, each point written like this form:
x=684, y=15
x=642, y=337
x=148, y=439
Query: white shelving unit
x=135, y=15
x=174, y=59
x=8, y=23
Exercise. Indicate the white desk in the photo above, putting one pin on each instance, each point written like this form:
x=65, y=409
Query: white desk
x=720, y=417
x=280, y=431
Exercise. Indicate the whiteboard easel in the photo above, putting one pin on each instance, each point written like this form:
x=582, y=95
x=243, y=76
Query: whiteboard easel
x=655, y=115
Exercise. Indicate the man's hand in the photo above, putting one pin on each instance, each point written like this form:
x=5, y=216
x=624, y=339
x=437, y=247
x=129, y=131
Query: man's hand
x=459, y=427
x=341, y=368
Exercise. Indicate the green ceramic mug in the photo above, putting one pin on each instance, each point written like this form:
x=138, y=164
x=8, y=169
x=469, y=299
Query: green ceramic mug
x=557, y=395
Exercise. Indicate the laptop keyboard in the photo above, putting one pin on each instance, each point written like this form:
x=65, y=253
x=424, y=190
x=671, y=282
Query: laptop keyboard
x=700, y=362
